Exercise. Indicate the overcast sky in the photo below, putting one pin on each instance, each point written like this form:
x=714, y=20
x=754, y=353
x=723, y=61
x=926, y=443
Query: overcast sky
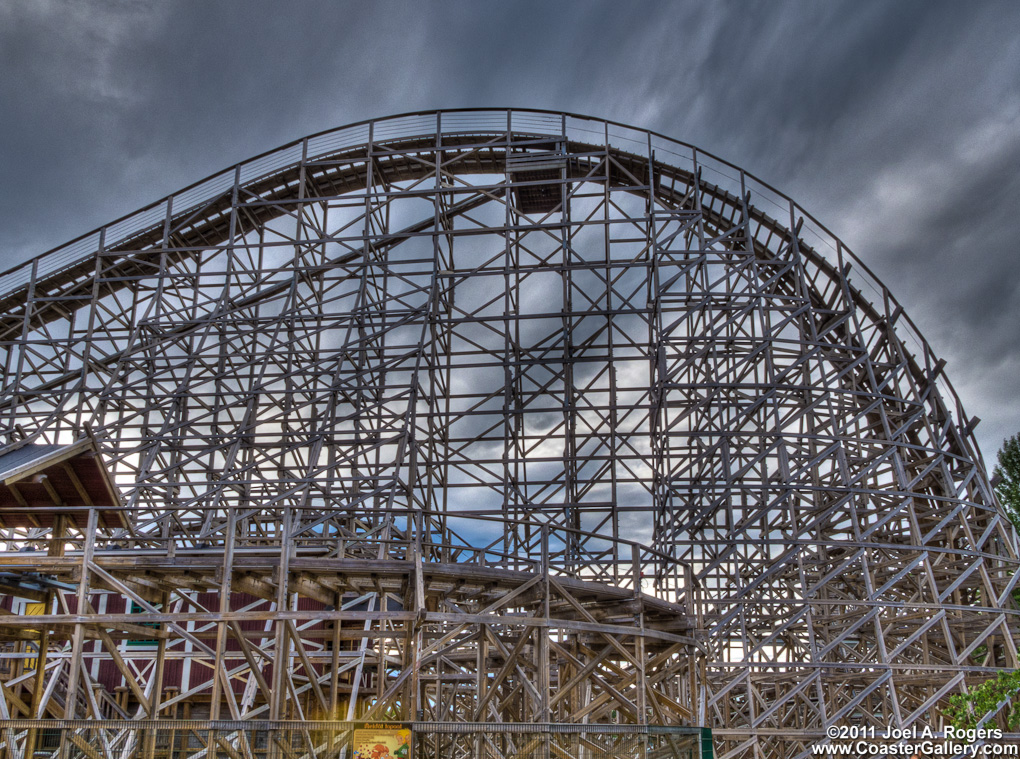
x=896, y=124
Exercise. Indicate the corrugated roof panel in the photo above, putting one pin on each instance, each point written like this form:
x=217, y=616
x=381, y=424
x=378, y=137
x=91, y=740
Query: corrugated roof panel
x=24, y=456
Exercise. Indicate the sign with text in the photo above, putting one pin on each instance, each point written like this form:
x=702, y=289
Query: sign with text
x=382, y=742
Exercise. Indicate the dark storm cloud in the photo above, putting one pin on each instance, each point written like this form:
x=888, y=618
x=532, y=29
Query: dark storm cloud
x=896, y=123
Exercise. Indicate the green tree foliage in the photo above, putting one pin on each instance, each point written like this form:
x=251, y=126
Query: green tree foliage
x=965, y=710
x=1008, y=475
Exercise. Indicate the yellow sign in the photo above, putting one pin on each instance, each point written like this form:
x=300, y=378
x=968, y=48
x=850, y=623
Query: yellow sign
x=33, y=610
x=382, y=742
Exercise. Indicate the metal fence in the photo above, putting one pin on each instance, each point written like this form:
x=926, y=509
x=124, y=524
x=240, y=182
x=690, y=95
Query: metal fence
x=192, y=739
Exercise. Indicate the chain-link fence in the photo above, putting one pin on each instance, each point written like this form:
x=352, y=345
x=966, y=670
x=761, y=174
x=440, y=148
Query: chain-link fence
x=183, y=739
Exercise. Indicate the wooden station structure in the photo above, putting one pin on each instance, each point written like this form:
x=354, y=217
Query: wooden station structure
x=480, y=419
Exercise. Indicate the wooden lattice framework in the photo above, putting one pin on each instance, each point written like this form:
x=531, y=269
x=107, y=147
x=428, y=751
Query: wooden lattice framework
x=494, y=416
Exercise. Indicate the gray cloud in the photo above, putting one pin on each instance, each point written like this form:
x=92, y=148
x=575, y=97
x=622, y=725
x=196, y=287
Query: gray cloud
x=896, y=124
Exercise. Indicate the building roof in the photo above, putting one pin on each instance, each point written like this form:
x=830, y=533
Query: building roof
x=40, y=481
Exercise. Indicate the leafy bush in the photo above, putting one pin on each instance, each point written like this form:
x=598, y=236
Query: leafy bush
x=965, y=710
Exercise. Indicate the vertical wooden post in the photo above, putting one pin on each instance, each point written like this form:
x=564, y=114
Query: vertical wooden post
x=39, y=680
x=56, y=548
x=156, y=695
x=334, y=676
x=542, y=653
x=220, y=682
x=482, y=681
x=276, y=708
x=78, y=635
